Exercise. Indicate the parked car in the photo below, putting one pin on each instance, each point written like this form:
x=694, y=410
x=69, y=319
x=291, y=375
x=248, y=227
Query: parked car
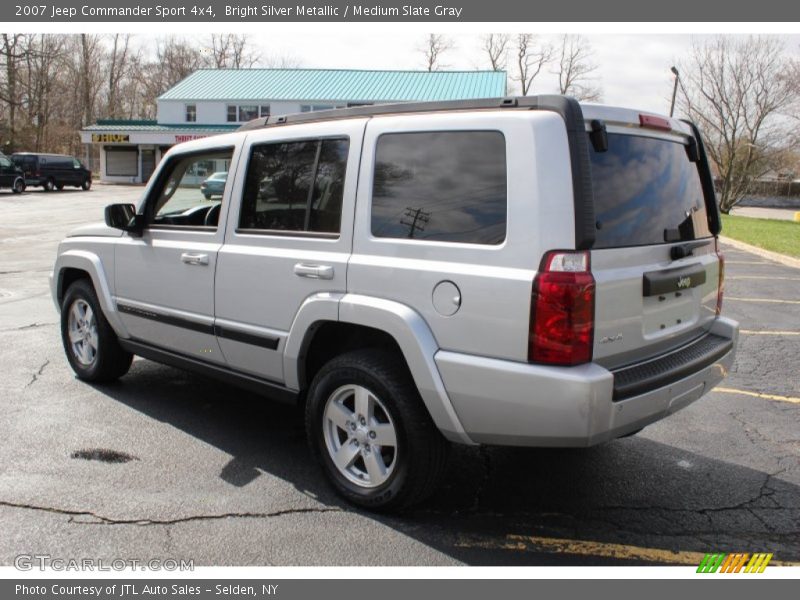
x=214, y=185
x=11, y=176
x=522, y=271
x=52, y=171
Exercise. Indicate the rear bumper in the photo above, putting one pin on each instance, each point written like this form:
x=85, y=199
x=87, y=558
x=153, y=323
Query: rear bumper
x=517, y=404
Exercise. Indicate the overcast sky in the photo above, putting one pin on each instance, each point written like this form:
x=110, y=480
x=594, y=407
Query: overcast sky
x=633, y=70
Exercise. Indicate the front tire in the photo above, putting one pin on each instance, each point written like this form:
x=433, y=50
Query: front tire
x=92, y=347
x=367, y=426
x=87, y=183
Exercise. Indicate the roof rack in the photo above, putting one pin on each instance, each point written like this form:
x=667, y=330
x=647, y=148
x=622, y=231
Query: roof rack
x=546, y=102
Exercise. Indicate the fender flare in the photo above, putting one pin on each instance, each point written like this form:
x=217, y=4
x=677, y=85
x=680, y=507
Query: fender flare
x=91, y=264
x=407, y=328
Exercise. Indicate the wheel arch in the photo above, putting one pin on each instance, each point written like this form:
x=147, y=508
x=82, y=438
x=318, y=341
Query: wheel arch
x=329, y=324
x=74, y=265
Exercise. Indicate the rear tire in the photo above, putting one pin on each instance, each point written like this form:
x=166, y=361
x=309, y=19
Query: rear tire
x=370, y=431
x=19, y=186
x=87, y=183
x=49, y=185
x=92, y=347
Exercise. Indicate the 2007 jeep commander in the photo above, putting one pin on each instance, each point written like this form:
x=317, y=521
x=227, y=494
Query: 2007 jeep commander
x=520, y=271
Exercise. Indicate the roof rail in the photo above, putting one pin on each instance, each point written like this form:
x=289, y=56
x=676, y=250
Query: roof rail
x=530, y=102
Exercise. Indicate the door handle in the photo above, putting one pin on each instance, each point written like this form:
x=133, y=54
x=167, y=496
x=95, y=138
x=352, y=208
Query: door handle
x=194, y=259
x=313, y=271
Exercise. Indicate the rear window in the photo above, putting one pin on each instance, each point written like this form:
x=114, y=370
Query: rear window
x=646, y=191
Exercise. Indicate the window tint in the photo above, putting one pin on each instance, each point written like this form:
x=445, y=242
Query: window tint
x=295, y=186
x=445, y=186
x=646, y=191
x=186, y=194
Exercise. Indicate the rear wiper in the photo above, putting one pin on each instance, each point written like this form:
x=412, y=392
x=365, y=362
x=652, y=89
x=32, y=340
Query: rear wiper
x=687, y=249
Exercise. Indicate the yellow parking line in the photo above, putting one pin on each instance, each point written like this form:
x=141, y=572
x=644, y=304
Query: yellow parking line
x=746, y=262
x=753, y=332
x=771, y=300
x=774, y=397
x=548, y=545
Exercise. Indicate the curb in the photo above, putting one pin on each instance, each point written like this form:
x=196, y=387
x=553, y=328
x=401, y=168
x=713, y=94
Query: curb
x=774, y=256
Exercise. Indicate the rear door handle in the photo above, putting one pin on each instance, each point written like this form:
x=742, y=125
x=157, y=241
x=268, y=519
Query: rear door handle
x=194, y=259
x=313, y=271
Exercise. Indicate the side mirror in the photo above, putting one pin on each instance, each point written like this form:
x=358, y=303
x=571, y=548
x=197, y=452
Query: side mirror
x=124, y=217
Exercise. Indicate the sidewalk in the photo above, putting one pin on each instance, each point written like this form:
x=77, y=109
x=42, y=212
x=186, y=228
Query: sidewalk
x=783, y=214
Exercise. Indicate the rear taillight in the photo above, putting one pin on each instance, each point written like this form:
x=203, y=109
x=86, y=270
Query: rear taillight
x=721, y=285
x=561, y=329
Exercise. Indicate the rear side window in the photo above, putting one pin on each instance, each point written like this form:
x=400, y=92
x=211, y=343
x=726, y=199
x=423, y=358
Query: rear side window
x=646, y=191
x=295, y=186
x=446, y=186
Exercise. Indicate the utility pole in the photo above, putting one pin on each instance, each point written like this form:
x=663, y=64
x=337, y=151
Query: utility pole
x=418, y=218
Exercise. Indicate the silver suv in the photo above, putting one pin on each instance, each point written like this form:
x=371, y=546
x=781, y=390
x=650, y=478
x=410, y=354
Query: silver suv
x=523, y=271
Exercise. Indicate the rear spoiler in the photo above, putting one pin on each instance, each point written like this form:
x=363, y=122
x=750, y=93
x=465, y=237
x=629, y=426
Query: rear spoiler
x=707, y=182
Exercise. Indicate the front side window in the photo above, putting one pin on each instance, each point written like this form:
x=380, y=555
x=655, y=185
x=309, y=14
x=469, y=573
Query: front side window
x=295, y=186
x=190, y=190
x=446, y=186
x=191, y=113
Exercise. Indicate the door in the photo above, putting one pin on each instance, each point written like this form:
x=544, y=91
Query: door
x=148, y=164
x=7, y=172
x=165, y=278
x=289, y=238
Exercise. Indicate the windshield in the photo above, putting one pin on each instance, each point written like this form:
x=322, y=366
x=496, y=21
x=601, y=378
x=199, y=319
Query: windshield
x=646, y=191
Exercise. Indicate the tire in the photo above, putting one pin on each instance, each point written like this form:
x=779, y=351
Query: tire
x=87, y=183
x=92, y=347
x=60, y=187
x=19, y=185
x=411, y=468
x=49, y=185
x=207, y=196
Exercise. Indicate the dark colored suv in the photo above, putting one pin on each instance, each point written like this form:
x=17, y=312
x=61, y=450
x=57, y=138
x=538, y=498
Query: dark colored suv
x=53, y=171
x=11, y=175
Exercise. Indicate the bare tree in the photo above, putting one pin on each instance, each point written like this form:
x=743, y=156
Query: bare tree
x=495, y=45
x=739, y=91
x=532, y=56
x=230, y=51
x=119, y=64
x=13, y=53
x=435, y=45
x=281, y=61
x=575, y=69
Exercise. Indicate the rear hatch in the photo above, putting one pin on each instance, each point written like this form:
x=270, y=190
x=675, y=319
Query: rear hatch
x=654, y=258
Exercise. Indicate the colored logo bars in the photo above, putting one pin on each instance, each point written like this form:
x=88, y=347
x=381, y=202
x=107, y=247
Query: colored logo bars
x=734, y=563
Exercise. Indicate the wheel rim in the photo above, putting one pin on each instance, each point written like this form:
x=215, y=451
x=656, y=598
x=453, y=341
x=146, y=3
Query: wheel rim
x=19, y=187
x=82, y=331
x=360, y=436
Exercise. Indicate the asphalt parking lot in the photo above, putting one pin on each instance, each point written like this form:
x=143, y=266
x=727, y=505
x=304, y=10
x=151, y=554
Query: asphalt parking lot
x=213, y=474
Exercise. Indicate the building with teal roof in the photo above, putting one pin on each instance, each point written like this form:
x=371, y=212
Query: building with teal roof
x=213, y=101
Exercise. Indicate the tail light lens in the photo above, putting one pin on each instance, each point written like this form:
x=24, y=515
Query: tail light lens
x=561, y=329
x=721, y=285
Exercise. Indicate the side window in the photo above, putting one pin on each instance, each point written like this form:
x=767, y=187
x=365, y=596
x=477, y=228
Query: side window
x=447, y=186
x=76, y=164
x=189, y=191
x=295, y=186
x=4, y=162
